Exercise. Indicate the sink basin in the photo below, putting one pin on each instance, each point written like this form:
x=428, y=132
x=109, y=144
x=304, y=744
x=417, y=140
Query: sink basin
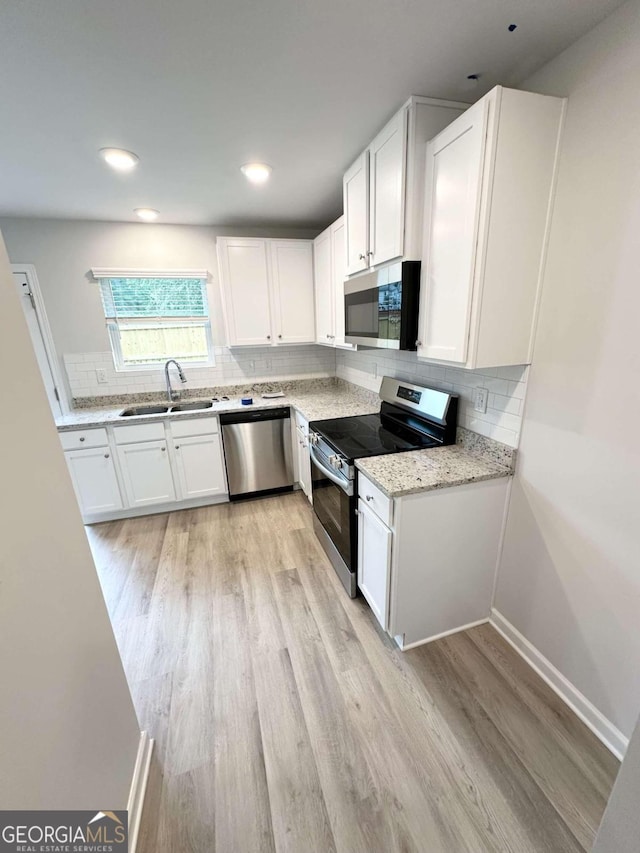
x=192, y=407
x=144, y=410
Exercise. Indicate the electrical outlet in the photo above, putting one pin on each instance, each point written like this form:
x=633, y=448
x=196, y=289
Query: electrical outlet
x=252, y=365
x=101, y=375
x=480, y=399
x=268, y=364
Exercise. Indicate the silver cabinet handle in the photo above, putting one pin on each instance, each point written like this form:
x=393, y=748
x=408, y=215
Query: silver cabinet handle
x=81, y=438
x=329, y=336
x=177, y=447
x=280, y=337
x=163, y=449
x=369, y=253
x=369, y=497
x=418, y=343
x=106, y=455
x=357, y=511
x=361, y=257
x=268, y=337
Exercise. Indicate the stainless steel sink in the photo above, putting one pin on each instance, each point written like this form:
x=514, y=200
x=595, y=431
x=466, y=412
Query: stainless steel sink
x=192, y=407
x=144, y=410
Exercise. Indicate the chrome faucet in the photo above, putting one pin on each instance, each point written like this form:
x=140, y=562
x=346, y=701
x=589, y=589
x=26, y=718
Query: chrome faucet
x=171, y=394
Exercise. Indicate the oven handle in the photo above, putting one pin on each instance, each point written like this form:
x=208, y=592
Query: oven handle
x=345, y=485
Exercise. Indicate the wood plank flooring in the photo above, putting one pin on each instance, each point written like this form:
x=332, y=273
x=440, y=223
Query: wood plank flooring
x=285, y=720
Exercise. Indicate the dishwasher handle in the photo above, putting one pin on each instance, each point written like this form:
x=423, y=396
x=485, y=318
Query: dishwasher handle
x=244, y=417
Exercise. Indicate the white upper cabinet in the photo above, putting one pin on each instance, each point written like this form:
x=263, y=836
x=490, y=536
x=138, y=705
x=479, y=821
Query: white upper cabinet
x=292, y=291
x=384, y=189
x=329, y=253
x=355, y=191
x=387, y=155
x=267, y=291
x=489, y=181
x=244, y=276
x=324, y=288
x=339, y=272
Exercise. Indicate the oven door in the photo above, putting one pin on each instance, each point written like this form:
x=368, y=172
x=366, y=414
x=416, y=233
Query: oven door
x=334, y=505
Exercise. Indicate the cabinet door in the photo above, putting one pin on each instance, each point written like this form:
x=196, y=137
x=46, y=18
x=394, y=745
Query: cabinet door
x=387, y=159
x=245, y=290
x=374, y=561
x=455, y=161
x=94, y=480
x=339, y=273
x=355, y=188
x=147, y=473
x=200, y=467
x=292, y=288
x=304, y=458
x=323, y=282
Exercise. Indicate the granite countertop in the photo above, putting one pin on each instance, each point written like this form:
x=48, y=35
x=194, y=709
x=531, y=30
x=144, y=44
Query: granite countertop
x=398, y=474
x=314, y=403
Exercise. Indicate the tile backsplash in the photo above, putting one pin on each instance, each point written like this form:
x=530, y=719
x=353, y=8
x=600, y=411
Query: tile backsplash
x=506, y=386
x=232, y=367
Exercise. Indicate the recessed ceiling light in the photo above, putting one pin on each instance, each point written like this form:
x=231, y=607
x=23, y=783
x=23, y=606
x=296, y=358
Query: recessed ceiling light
x=257, y=173
x=119, y=159
x=148, y=214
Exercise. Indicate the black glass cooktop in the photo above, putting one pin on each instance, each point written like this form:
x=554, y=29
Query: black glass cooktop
x=369, y=435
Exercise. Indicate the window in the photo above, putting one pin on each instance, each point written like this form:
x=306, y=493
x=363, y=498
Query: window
x=153, y=318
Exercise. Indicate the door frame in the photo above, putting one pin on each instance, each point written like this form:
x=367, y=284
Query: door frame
x=29, y=271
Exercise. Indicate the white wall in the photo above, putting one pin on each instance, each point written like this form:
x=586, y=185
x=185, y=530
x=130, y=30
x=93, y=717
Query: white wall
x=64, y=251
x=507, y=387
x=68, y=730
x=569, y=578
x=620, y=827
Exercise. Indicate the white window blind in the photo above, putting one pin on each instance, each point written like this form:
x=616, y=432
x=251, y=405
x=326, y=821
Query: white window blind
x=153, y=318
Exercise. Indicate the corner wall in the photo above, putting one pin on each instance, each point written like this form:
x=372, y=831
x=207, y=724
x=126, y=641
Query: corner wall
x=569, y=578
x=68, y=731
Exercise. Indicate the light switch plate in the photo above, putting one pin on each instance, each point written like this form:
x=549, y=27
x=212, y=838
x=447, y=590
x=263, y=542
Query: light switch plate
x=480, y=399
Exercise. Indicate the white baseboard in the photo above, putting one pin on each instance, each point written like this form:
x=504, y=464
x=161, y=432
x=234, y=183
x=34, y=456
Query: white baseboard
x=138, y=788
x=602, y=728
x=440, y=636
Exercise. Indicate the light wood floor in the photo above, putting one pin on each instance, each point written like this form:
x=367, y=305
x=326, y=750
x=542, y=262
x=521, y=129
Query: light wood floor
x=286, y=721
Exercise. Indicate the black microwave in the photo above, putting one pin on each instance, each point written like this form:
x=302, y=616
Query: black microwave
x=381, y=307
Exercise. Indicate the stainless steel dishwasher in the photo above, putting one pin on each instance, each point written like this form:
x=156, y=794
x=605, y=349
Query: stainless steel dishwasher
x=257, y=451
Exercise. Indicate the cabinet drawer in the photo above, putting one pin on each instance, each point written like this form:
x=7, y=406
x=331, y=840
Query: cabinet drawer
x=194, y=426
x=77, y=439
x=138, y=432
x=375, y=499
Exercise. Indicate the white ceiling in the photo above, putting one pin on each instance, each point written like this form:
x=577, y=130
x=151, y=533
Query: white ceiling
x=196, y=88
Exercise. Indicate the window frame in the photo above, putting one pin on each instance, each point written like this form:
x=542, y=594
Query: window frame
x=113, y=327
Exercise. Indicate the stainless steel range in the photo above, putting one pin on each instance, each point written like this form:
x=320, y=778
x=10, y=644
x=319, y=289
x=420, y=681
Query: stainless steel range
x=411, y=417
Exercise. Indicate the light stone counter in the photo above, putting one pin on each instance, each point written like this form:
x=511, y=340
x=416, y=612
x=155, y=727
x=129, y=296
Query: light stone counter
x=314, y=399
x=398, y=474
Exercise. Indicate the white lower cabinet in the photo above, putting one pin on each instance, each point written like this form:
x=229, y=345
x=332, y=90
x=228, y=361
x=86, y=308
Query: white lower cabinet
x=374, y=561
x=146, y=472
x=301, y=453
x=94, y=479
x=427, y=561
x=200, y=467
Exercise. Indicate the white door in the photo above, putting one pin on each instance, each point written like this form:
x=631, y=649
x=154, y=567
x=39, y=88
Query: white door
x=387, y=159
x=355, y=188
x=200, y=467
x=94, y=480
x=323, y=282
x=37, y=338
x=452, y=205
x=339, y=273
x=374, y=561
x=292, y=288
x=147, y=473
x=245, y=290
x=304, y=458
